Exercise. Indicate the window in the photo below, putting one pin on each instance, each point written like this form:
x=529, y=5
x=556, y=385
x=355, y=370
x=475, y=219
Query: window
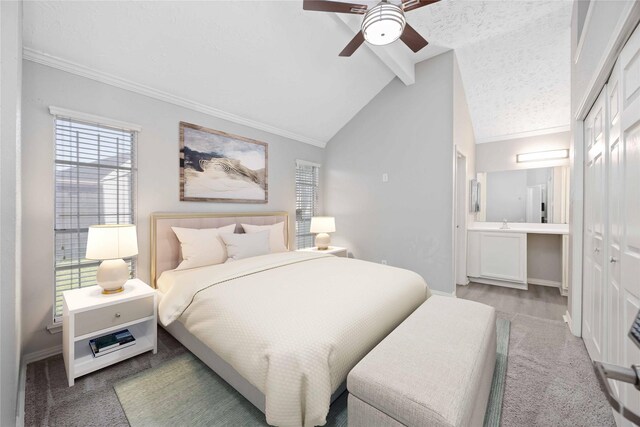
x=307, y=189
x=94, y=184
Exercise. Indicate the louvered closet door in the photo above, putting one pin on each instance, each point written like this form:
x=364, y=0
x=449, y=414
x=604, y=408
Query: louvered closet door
x=595, y=178
x=627, y=263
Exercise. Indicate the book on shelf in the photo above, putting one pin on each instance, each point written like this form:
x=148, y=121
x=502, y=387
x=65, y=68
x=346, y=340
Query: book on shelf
x=111, y=342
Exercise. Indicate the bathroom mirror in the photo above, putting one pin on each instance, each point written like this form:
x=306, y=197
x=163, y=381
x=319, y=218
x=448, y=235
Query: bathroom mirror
x=527, y=195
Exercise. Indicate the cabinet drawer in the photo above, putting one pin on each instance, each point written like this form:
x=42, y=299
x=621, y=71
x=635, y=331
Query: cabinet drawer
x=113, y=315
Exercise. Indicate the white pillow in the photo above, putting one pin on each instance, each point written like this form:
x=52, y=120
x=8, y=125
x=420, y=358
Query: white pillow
x=202, y=247
x=240, y=246
x=276, y=235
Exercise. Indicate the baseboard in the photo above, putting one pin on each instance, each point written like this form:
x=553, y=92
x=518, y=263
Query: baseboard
x=543, y=282
x=505, y=284
x=443, y=294
x=567, y=318
x=42, y=354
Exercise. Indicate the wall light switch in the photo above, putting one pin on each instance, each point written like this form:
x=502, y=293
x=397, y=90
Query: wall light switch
x=385, y=177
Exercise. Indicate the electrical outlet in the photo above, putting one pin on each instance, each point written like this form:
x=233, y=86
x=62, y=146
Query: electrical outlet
x=385, y=177
x=384, y=261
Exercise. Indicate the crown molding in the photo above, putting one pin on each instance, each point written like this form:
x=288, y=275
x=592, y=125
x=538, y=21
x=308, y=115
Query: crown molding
x=102, y=77
x=527, y=134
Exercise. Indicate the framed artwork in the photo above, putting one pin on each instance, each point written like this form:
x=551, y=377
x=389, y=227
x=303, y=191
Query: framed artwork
x=219, y=167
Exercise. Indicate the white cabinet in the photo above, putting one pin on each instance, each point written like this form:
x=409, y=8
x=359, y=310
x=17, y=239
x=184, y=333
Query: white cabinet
x=498, y=258
x=88, y=314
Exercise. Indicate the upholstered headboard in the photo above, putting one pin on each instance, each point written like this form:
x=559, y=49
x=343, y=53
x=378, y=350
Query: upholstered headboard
x=165, y=247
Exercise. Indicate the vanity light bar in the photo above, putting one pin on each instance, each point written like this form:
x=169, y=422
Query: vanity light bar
x=543, y=155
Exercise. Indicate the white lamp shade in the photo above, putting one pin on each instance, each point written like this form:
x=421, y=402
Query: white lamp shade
x=112, y=241
x=323, y=224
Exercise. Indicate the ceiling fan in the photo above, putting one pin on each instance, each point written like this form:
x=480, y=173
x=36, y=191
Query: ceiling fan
x=382, y=24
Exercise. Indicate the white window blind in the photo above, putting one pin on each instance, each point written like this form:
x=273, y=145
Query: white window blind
x=95, y=172
x=307, y=196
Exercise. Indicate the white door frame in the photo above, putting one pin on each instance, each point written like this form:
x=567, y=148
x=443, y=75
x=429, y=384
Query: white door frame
x=460, y=218
x=626, y=25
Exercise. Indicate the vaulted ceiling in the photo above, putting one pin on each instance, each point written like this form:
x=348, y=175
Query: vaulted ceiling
x=276, y=67
x=514, y=58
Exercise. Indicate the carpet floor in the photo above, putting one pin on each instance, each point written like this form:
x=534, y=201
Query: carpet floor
x=549, y=382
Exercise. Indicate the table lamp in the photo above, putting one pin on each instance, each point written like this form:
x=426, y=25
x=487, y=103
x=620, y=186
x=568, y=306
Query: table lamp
x=111, y=243
x=323, y=225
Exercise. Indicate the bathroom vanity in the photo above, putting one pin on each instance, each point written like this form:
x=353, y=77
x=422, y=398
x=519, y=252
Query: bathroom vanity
x=521, y=233
x=497, y=256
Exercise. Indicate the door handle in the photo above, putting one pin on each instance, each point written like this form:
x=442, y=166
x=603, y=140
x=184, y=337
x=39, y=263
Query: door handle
x=604, y=371
x=613, y=260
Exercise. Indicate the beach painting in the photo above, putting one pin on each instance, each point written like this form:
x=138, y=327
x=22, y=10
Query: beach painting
x=219, y=167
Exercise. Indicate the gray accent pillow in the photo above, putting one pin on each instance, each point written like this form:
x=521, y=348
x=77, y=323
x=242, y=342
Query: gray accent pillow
x=240, y=246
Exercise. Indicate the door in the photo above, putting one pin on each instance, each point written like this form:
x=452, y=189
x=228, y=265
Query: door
x=625, y=256
x=595, y=175
x=615, y=232
x=534, y=204
x=461, y=209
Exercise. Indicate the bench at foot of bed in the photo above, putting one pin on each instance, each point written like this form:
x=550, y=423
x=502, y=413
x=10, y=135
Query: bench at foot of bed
x=435, y=369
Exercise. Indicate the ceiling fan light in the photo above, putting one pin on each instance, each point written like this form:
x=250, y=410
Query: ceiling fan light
x=383, y=24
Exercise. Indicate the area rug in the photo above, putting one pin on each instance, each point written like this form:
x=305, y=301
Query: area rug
x=494, y=406
x=184, y=391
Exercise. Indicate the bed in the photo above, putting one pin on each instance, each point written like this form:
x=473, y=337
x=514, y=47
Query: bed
x=284, y=329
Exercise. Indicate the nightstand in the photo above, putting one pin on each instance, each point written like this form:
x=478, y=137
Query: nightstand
x=88, y=314
x=333, y=250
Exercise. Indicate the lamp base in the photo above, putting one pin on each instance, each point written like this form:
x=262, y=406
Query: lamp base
x=112, y=275
x=322, y=241
x=114, y=291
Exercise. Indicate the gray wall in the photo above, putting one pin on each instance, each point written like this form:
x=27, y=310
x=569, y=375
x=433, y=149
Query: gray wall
x=158, y=174
x=544, y=257
x=501, y=155
x=10, y=98
x=407, y=132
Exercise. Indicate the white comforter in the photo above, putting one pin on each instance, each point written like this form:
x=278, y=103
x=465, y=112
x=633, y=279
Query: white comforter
x=293, y=324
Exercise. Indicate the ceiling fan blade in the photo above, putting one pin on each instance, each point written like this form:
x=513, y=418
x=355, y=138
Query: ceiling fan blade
x=334, y=6
x=412, y=38
x=408, y=5
x=353, y=45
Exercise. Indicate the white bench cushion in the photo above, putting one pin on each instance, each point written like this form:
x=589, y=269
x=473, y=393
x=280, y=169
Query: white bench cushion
x=435, y=369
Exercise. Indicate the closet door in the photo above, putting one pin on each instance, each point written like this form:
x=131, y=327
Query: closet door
x=595, y=177
x=626, y=261
x=615, y=334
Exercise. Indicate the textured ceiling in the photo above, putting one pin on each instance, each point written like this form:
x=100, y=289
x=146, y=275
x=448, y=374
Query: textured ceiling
x=514, y=58
x=273, y=63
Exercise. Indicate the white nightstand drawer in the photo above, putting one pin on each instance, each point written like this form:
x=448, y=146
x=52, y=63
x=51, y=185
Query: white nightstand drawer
x=113, y=315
